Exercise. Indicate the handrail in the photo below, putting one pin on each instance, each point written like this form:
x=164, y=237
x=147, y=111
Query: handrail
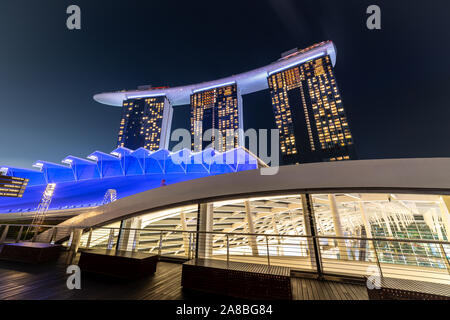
x=390, y=260
x=237, y=233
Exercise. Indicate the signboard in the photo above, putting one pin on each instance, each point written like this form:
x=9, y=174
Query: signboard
x=12, y=186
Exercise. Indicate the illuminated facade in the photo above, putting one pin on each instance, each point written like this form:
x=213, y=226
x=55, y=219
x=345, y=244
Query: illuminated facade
x=82, y=182
x=12, y=186
x=216, y=110
x=309, y=113
x=306, y=101
x=146, y=123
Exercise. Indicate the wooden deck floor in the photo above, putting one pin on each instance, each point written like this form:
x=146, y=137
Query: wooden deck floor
x=31, y=282
x=311, y=289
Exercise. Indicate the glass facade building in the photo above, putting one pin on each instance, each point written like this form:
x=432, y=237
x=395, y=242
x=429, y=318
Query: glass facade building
x=309, y=113
x=305, y=99
x=397, y=233
x=216, y=111
x=146, y=123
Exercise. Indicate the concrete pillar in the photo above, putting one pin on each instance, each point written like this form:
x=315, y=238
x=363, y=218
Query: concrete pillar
x=251, y=228
x=311, y=230
x=4, y=234
x=205, y=223
x=89, y=239
x=74, y=245
x=343, y=254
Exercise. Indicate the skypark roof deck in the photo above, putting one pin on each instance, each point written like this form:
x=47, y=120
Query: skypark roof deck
x=247, y=82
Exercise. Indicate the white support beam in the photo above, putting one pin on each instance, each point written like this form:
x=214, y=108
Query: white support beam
x=205, y=240
x=251, y=228
x=386, y=220
x=444, y=205
x=338, y=227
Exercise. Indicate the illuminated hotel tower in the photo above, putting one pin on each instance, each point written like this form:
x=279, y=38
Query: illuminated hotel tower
x=217, y=108
x=309, y=113
x=145, y=123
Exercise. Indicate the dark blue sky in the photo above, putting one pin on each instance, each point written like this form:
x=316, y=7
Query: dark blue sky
x=395, y=82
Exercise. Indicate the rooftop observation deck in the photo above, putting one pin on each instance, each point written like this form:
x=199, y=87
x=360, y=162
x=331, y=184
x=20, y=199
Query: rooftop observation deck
x=247, y=82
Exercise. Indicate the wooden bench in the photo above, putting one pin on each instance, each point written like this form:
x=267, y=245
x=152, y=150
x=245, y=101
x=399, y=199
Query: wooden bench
x=401, y=289
x=237, y=279
x=30, y=252
x=118, y=264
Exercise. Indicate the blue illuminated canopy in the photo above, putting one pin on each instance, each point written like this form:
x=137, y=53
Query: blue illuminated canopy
x=83, y=182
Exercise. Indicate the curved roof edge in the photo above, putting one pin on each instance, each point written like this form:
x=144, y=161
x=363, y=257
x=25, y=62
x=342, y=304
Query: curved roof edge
x=424, y=176
x=247, y=82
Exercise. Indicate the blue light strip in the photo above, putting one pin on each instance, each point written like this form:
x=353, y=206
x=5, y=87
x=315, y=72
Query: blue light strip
x=137, y=96
x=214, y=86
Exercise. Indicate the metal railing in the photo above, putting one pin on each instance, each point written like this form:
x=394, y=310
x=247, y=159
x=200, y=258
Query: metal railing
x=424, y=260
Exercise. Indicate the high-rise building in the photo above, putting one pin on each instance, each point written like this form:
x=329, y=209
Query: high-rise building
x=309, y=113
x=218, y=110
x=306, y=101
x=146, y=123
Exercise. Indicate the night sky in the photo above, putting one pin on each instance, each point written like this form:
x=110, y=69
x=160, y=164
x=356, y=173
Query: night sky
x=395, y=82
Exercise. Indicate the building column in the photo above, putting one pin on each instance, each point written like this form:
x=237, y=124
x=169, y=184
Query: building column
x=4, y=234
x=205, y=222
x=251, y=228
x=311, y=232
x=74, y=245
x=343, y=254
x=444, y=205
x=129, y=239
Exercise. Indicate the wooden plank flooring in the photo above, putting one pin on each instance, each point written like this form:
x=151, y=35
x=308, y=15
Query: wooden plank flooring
x=240, y=266
x=35, y=282
x=311, y=289
x=49, y=282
